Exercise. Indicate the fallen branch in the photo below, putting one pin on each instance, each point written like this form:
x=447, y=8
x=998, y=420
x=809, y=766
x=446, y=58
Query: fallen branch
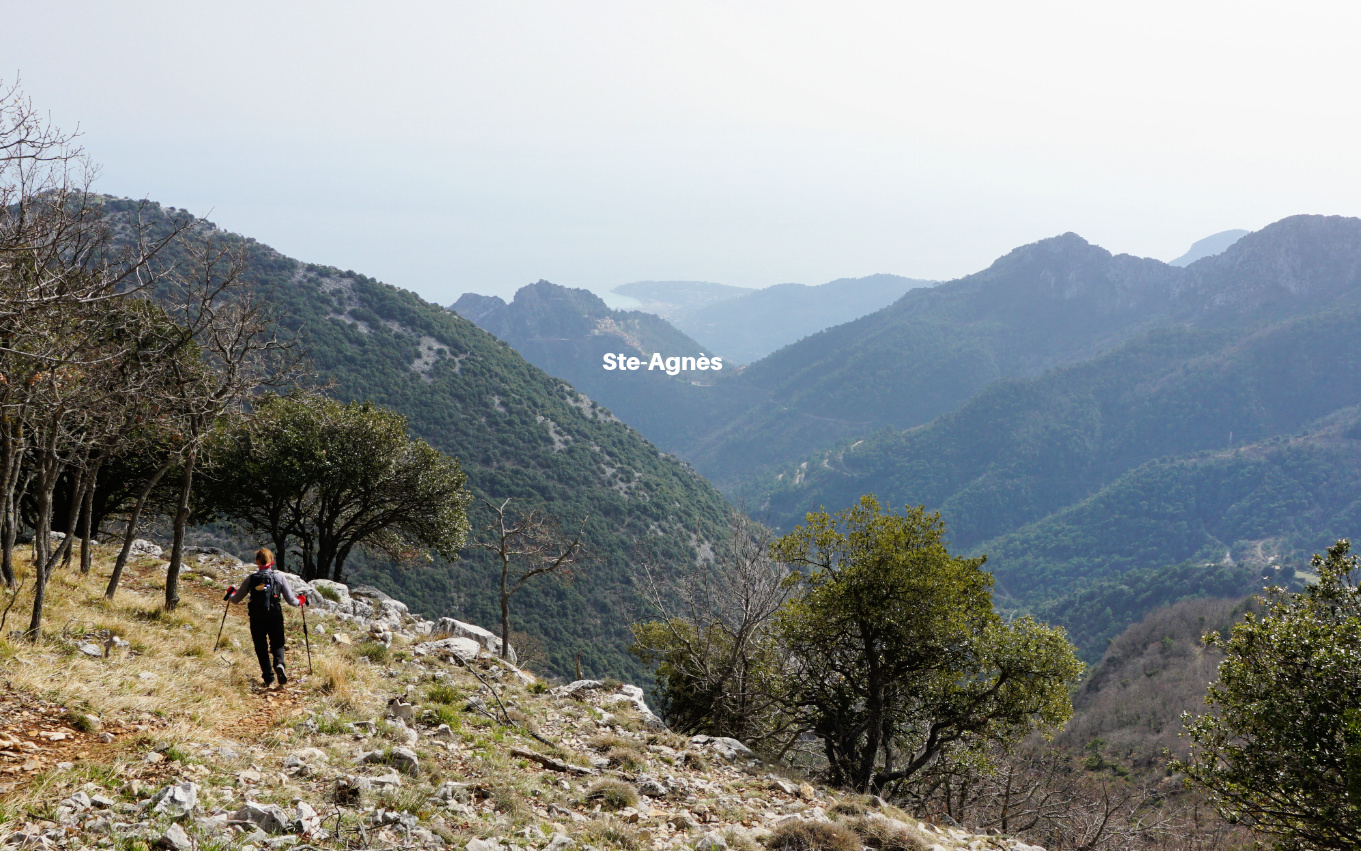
x=549, y=762
x=505, y=714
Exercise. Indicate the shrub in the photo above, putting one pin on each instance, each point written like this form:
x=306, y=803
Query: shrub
x=848, y=807
x=445, y=694
x=78, y=720
x=614, y=795
x=798, y=835
x=375, y=651
x=613, y=834
x=886, y=835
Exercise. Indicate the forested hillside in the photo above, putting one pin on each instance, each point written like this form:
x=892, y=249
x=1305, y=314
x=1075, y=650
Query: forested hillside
x=1223, y=447
x=1057, y=302
x=517, y=432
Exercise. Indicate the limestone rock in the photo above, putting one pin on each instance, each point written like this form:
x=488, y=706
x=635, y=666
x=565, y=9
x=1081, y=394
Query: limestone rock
x=405, y=761
x=728, y=748
x=142, y=548
x=559, y=842
x=488, y=640
x=711, y=841
x=465, y=649
x=483, y=845
x=268, y=817
x=572, y=689
x=174, y=839
x=78, y=802
x=306, y=819
x=176, y=801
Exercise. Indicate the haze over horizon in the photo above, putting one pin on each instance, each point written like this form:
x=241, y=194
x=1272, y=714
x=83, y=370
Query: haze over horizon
x=448, y=148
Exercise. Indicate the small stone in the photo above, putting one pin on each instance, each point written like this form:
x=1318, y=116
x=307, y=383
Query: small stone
x=268, y=817
x=154, y=758
x=652, y=787
x=101, y=802
x=306, y=818
x=342, y=638
x=711, y=841
x=92, y=723
x=92, y=650
x=78, y=802
x=176, y=801
x=175, y=839
x=405, y=761
x=807, y=792
x=483, y=845
x=559, y=842
x=146, y=675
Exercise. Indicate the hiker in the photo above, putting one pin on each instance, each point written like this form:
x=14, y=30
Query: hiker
x=266, y=588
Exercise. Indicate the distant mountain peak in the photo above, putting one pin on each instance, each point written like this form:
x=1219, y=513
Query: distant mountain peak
x=1209, y=246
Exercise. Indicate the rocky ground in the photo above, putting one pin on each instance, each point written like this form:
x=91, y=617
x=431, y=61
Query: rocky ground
x=124, y=730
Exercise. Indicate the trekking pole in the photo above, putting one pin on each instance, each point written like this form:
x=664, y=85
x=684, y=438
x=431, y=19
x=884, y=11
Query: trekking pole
x=307, y=642
x=228, y=598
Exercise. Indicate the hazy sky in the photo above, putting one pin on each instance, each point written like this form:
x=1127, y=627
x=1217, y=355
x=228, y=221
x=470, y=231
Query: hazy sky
x=447, y=146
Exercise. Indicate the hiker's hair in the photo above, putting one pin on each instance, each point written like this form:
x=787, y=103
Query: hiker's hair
x=264, y=556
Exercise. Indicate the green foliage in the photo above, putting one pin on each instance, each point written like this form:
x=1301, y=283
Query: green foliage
x=1281, y=750
x=1168, y=451
x=900, y=659
x=706, y=683
x=445, y=694
x=332, y=477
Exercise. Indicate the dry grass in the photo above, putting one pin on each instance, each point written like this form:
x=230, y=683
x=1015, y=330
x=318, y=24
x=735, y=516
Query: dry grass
x=796, y=835
x=885, y=835
x=170, y=671
x=612, y=794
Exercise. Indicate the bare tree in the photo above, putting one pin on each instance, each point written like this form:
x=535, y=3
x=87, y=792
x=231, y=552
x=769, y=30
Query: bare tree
x=528, y=545
x=81, y=350
x=718, y=667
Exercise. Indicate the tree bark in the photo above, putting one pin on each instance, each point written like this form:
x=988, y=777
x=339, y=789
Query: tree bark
x=130, y=530
x=87, y=516
x=505, y=613
x=172, y=573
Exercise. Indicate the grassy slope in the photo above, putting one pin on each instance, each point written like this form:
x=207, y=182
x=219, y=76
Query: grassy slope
x=170, y=706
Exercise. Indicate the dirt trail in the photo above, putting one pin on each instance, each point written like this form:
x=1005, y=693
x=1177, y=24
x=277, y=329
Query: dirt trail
x=38, y=735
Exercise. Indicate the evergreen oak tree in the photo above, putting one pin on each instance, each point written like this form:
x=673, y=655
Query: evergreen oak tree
x=330, y=476
x=1281, y=748
x=896, y=656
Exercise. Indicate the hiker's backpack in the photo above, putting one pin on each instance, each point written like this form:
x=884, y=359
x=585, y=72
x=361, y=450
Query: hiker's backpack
x=264, y=596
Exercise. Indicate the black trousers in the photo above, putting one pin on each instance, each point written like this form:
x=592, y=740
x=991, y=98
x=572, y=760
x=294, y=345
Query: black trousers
x=267, y=631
